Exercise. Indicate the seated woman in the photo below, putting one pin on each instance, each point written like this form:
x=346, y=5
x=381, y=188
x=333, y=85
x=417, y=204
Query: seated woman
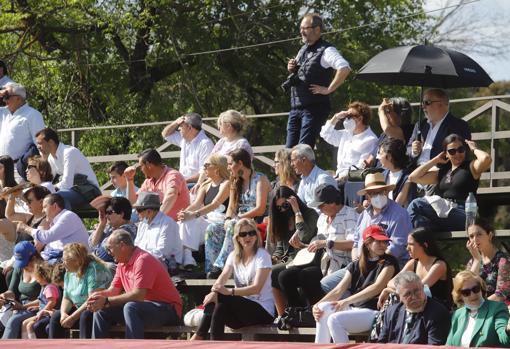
x=355, y=142
x=478, y=322
x=393, y=158
x=250, y=302
x=209, y=207
x=39, y=173
x=231, y=124
x=364, y=280
x=23, y=288
x=9, y=235
x=293, y=225
x=248, y=199
x=455, y=176
x=428, y=263
x=285, y=174
x=487, y=261
x=116, y=215
x=85, y=274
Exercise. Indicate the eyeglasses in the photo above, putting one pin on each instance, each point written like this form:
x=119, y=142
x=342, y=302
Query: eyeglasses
x=453, y=151
x=206, y=165
x=467, y=291
x=6, y=97
x=429, y=102
x=141, y=209
x=109, y=212
x=283, y=207
x=243, y=234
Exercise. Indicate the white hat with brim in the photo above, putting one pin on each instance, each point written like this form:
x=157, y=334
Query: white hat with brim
x=375, y=181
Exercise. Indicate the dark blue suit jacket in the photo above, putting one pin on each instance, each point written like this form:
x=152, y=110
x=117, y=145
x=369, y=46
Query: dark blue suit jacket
x=430, y=327
x=450, y=125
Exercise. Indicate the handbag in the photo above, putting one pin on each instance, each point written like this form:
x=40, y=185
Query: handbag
x=305, y=258
x=296, y=317
x=358, y=174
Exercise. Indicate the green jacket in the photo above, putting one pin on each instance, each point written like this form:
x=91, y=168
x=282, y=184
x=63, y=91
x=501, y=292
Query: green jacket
x=490, y=326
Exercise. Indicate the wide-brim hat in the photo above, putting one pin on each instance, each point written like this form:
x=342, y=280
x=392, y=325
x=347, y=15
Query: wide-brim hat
x=147, y=199
x=375, y=181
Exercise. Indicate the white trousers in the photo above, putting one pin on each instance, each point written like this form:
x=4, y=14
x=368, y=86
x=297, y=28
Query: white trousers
x=339, y=324
x=192, y=232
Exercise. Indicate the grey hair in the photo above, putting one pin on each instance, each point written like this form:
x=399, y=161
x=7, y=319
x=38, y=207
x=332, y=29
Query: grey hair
x=404, y=278
x=17, y=89
x=121, y=235
x=194, y=120
x=304, y=150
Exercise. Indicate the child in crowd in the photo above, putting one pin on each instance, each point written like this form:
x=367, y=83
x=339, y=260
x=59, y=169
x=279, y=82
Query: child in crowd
x=48, y=299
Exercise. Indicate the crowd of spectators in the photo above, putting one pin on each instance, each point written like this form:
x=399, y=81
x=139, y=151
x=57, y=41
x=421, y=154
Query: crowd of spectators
x=299, y=241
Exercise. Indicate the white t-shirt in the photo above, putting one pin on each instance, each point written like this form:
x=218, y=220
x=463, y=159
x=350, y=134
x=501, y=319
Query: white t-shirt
x=465, y=340
x=244, y=275
x=393, y=178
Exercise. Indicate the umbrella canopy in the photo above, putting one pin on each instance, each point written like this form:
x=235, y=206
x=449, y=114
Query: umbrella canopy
x=424, y=65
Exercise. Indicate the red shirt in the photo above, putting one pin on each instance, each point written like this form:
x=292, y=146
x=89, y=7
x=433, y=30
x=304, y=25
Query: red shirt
x=169, y=179
x=145, y=271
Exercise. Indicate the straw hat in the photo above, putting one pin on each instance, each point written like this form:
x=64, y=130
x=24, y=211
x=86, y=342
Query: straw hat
x=375, y=181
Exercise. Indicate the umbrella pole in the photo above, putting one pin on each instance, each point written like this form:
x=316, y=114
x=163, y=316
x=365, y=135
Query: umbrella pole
x=419, y=115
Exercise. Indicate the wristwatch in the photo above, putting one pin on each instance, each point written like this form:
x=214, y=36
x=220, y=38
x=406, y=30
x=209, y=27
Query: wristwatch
x=330, y=244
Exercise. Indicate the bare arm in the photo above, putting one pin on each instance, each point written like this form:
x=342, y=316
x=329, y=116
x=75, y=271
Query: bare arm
x=385, y=109
x=425, y=174
x=219, y=199
x=171, y=128
x=263, y=187
x=169, y=200
x=95, y=237
x=12, y=215
x=404, y=194
x=374, y=289
x=481, y=163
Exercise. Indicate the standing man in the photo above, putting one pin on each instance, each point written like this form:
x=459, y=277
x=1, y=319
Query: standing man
x=19, y=124
x=161, y=179
x=141, y=293
x=186, y=132
x=426, y=142
x=317, y=71
x=77, y=182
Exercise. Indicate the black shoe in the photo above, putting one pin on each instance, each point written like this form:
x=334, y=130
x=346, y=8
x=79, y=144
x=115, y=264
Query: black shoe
x=214, y=273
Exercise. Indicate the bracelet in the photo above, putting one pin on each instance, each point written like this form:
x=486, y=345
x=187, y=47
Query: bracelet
x=197, y=214
x=233, y=291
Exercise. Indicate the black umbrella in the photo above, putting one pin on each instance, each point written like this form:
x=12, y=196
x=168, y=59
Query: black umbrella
x=424, y=65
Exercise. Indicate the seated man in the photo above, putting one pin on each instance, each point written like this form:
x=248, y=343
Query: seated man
x=167, y=182
x=141, y=294
x=302, y=160
x=157, y=233
x=385, y=213
x=116, y=215
x=355, y=142
x=64, y=227
x=123, y=187
x=77, y=182
x=416, y=319
x=186, y=132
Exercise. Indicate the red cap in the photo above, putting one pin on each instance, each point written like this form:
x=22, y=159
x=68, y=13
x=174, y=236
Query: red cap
x=376, y=233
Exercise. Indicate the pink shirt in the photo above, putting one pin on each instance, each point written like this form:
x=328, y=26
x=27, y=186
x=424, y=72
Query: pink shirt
x=169, y=179
x=145, y=271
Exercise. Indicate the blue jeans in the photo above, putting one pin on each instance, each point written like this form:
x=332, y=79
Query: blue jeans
x=13, y=328
x=423, y=215
x=72, y=198
x=55, y=330
x=330, y=281
x=136, y=315
x=304, y=125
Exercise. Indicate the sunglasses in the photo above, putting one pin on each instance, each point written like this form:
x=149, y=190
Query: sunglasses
x=30, y=167
x=453, y=151
x=467, y=291
x=206, y=165
x=283, y=207
x=141, y=209
x=244, y=234
x=429, y=102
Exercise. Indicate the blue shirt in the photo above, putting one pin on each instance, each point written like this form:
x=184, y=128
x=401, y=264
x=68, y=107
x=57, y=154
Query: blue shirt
x=396, y=223
x=100, y=249
x=308, y=184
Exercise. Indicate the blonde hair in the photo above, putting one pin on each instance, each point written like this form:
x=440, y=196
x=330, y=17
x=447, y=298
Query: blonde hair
x=238, y=249
x=42, y=166
x=80, y=253
x=234, y=118
x=460, y=279
x=220, y=162
x=43, y=270
x=285, y=170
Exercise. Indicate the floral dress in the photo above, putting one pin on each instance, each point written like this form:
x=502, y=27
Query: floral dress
x=218, y=241
x=496, y=274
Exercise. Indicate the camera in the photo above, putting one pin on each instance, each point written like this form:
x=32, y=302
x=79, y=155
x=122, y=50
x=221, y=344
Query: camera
x=292, y=80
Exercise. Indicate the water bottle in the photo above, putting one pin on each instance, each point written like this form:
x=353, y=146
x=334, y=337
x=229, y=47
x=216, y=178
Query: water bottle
x=172, y=266
x=471, y=209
